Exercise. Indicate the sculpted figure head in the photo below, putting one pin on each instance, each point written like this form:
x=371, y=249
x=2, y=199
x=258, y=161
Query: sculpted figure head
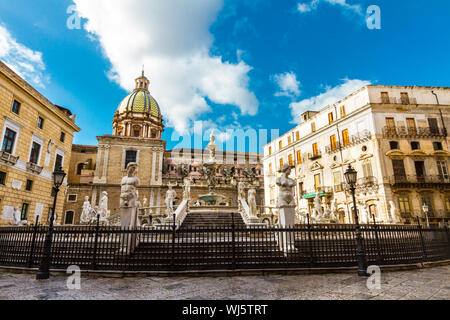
x=131, y=169
x=286, y=170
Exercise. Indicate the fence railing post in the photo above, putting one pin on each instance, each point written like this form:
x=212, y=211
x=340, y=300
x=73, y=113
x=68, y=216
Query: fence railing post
x=377, y=241
x=422, y=241
x=311, y=256
x=33, y=243
x=233, y=242
x=172, y=262
x=94, y=256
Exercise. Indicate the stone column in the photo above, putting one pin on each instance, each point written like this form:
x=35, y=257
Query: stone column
x=105, y=163
x=97, y=164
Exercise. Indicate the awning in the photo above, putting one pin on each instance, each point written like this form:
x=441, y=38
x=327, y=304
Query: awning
x=313, y=195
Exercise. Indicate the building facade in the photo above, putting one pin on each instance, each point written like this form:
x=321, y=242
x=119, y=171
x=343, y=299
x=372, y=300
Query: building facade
x=36, y=138
x=137, y=137
x=394, y=136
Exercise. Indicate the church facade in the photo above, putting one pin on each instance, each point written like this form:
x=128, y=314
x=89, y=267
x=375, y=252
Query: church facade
x=137, y=137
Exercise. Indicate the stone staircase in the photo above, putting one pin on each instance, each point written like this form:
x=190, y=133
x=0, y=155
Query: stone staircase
x=202, y=219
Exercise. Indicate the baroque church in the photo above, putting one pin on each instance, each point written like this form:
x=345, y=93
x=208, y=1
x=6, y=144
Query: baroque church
x=137, y=132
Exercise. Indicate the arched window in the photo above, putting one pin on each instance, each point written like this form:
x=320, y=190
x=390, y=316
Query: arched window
x=80, y=167
x=69, y=217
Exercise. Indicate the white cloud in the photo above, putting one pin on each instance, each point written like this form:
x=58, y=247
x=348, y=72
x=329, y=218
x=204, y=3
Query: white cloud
x=329, y=97
x=288, y=84
x=308, y=7
x=24, y=61
x=172, y=39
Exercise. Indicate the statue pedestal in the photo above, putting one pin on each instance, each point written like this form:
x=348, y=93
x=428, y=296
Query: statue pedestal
x=128, y=221
x=287, y=220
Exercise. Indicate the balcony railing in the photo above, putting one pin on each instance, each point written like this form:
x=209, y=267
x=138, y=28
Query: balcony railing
x=8, y=158
x=314, y=156
x=404, y=132
x=418, y=180
x=356, y=139
x=321, y=190
x=34, y=168
x=404, y=101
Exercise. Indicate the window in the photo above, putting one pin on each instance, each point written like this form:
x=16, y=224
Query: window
x=390, y=124
x=8, y=140
x=299, y=157
x=411, y=125
x=130, y=156
x=415, y=145
x=345, y=138
x=300, y=189
x=40, y=123
x=297, y=135
x=270, y=169
x=394, y=145
x=447, y=203
x=315, y=149
x=29, y=185
x=433, y=124
x=330, y=118
x=385, y=97
x=317, y=183
x=24, y=211
x=399, y=170
x=80, y=168
x=69, y=217
x=437, y=146
x=404, y=204
x=442, y=169
x=333, y=143
x=35, y=152
x=280, y=144
x=367, y=169
x=281, y=163
x=58, y=161
x=405, y=98
x=16, y=107
x=337, y=177
x=2, y=178
x=136, y=132
x=313, y=127
x=270, y=151
x=426, y=199
x=343, y=112
x=72, y=198
x=291, y=160
x=62, y=137
x=289, y=140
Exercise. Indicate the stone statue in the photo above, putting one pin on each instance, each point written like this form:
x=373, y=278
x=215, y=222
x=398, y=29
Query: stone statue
x=86, y=213
x=392, y=212
x=103, y=207
x=212, y=147
x=252, y=202
x=17, y=215
x=129, y=183
x=318, y=210
x=144, y=202
x=285, y=186
x=363, y=214
x=333, y=211
x=197, y=203
x=170, y=199
x=187, y=188
x=241, y=190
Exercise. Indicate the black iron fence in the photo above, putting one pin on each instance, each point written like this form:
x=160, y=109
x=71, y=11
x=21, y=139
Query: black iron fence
x=228, y=247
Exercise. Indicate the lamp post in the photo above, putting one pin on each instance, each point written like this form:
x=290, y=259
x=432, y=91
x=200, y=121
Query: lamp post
x=44, y=268
x=351, y=176
x=426, y=209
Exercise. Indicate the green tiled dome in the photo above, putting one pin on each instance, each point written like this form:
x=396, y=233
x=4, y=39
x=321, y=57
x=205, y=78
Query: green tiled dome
x=140, y=101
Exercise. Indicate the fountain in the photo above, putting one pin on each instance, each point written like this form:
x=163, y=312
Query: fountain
x=212, y=198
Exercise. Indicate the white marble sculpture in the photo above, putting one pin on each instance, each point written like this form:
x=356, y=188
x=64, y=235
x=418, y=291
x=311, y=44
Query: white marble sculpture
x=129, y=183
x=241, y=190
x=170, y=199
x=187, y=188
x=86, y=213
x=17, y=215
x=286, y=207
x=103, y=208
x=144, y=202
x=318, y=209
x=252, y=202
x=363, y=214
x=392, y=212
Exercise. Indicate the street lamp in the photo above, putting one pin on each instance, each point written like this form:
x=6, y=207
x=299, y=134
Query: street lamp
x=44, y=268
x=351, y=176
x=426, y=209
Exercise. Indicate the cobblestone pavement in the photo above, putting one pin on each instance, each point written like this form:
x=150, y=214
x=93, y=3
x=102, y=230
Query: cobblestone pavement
x=420, y=284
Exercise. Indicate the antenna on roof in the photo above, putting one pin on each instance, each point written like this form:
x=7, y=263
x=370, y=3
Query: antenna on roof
x=143, y=70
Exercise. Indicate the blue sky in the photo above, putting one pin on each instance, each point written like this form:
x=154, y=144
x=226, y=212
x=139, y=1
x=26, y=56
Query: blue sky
x=233, y=64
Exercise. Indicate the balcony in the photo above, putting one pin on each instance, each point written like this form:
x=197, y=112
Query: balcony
x=8, y=158
x=404, y=101
x=354, y=140
x=419, y=181
x=424, y=133
x=314, y=156
x=323, y=191
x=34, y=168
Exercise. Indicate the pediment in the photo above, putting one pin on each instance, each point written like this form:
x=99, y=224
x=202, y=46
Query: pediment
x=418, y=153
x=316, y=166
x=441, y=153
x=335, y=165
x=365, y=156
x=395, y=154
